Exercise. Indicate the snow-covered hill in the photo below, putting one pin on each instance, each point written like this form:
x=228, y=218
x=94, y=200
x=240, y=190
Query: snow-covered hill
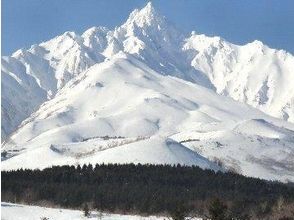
x=122, y=111
x=145, y=93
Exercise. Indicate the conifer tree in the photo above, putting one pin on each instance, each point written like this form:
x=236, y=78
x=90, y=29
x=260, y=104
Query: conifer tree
x=86, y=210
x=217, y=210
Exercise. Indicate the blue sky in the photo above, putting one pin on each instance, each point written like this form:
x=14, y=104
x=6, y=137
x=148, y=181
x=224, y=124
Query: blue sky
x=25, y=22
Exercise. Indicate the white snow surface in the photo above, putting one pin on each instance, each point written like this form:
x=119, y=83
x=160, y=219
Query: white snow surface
x=10, y=211
x=144, y=93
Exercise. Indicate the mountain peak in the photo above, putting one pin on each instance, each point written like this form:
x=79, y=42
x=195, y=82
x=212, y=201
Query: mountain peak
x=148, y=9
x=146, y=16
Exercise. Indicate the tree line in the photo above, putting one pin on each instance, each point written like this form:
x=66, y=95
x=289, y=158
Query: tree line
x=151, y=190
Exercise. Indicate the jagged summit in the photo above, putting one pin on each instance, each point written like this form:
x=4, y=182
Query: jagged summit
x=147, y=21
x=146, y=16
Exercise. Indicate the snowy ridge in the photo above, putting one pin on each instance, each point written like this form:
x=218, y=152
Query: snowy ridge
x=167, y=97
x=254, y=73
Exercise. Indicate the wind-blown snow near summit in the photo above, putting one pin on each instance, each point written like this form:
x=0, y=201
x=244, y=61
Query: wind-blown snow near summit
x=145, y=93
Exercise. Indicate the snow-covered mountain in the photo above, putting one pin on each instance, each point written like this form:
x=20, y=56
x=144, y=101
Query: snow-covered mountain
x=145, y=93
x=254, y=73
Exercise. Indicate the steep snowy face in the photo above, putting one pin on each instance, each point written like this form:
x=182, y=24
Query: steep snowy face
x=20, y=95
x=95, y=38
x=30, y=77
x=134, y=114
x=55, y=62
x=253, y=73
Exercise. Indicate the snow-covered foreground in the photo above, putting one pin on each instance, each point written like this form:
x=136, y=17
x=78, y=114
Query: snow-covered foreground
x=11, y=211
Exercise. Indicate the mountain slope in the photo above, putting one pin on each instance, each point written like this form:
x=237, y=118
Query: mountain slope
x=123, y=111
